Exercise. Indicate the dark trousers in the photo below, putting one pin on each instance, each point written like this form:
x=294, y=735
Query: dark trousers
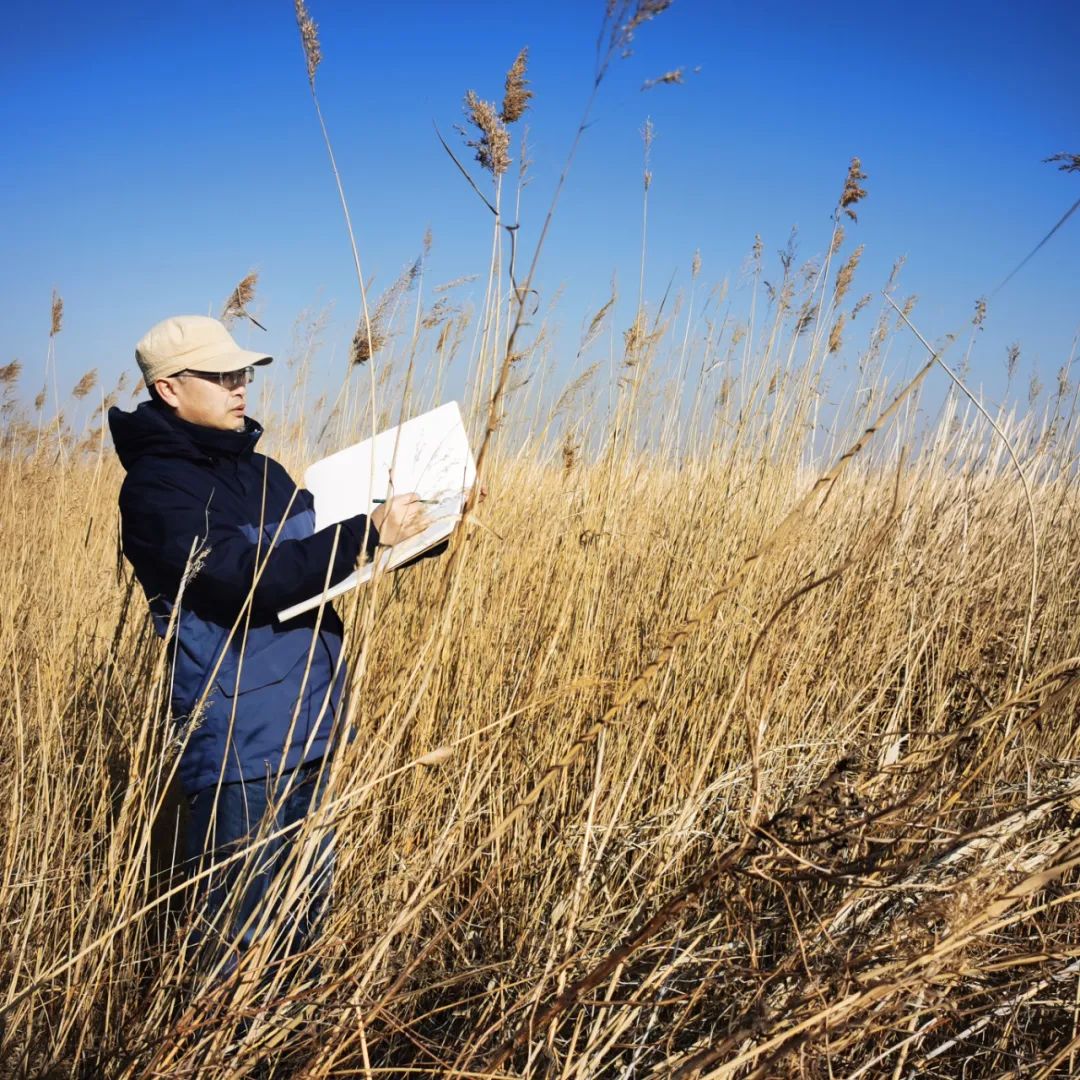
x=276, y=891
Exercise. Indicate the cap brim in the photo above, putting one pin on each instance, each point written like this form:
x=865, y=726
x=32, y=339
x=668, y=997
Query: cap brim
x=233, y=360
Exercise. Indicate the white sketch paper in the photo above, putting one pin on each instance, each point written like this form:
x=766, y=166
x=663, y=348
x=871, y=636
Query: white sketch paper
x=429, y=454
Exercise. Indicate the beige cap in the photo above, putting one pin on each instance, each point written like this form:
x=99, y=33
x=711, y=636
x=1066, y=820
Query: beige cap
x=193, y=342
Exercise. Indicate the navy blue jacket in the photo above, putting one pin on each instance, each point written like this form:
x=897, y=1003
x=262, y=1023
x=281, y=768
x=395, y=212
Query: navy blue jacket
x=191, y=485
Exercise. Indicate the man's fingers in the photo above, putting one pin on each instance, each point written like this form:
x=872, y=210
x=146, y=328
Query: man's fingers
x=402, y=517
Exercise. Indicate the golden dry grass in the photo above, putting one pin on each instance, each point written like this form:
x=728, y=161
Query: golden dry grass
x=736, y=737
x=833, y=827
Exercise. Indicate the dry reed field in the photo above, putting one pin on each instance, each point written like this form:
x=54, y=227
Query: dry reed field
x=735, y=736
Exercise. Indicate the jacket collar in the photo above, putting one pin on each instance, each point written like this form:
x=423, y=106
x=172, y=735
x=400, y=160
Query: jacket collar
x=213, y=442
x=153, y=431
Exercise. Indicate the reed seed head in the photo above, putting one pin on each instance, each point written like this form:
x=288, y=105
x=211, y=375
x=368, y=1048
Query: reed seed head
x=597, y=321
x=627, y=15
x=57, y=313
x=239, y=298
x=39, y=400
x=524, y=161
x=1064, y=385
x=1065, y=162
x=648, y=135
x=309, y=36
x=846, y=274
x=517, y=95
x=366, y=342
x=894, y=273
x=860, y=304
x=1012, y=359
x=569, y=454
x=853, y=191
x=634, y=338
x=446, y=286
x=807, y=314
x=493, y=145
x=85, y=385
x=9, y=373
x=438, y=313
x=370, y=334
x=669, y=78
x=723, y=396
x=836, y=333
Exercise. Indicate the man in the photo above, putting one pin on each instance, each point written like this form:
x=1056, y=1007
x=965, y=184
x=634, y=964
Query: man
x=221, y=539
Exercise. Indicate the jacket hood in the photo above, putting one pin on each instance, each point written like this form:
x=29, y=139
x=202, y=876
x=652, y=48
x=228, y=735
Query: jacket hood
x=153, y=430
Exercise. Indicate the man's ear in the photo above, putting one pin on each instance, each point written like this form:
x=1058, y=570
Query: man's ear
x=166, y=390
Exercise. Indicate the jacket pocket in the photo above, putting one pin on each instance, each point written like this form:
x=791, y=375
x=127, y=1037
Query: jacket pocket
x=264, y=663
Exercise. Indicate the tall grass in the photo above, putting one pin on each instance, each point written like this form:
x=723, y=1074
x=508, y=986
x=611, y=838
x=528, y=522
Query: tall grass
x=835, y=824
x=733, y=740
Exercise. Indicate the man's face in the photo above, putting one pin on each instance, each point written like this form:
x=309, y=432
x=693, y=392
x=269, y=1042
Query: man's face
x=204, y=401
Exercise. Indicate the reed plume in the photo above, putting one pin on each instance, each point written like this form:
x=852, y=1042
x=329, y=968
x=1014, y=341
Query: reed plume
x=845, y=276
x=836, y=333
x=517, y=94
x=85, y=385
x=57, y=314
x=366, y=342
x=492, y=144
x=627, y=16
x=648, y=136
x=236, y=307
x=669, y=78
x=569, y=452
x=371, y=333
x=446, y=286
x=1012, y=359
x=1064, y=383
x=309, y=37
x=1064, y=162
x=853, y=191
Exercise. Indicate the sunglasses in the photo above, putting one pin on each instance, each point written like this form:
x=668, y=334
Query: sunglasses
x=230, y=380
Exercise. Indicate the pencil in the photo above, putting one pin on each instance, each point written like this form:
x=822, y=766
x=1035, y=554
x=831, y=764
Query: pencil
x=426, y=502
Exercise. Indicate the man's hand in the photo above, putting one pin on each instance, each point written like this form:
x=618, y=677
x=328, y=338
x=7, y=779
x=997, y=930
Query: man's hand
x=399, y=518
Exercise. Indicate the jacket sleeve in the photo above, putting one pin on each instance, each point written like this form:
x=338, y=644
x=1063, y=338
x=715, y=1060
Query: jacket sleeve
x=164, y=520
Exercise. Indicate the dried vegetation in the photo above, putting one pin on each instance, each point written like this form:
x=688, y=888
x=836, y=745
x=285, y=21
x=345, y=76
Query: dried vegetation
x=696, y=760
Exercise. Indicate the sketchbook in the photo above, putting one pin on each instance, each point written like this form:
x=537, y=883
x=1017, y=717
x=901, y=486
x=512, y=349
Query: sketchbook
x=429, y=454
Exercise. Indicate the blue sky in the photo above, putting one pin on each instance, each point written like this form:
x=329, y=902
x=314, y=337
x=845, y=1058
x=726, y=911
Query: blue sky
x=155, y=153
